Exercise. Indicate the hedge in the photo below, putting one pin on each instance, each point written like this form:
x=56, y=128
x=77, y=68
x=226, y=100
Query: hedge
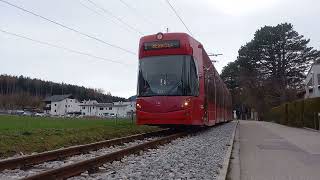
x=301, y=113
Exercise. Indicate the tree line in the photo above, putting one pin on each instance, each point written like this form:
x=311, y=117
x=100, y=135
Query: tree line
x=270, y=69
x=20, y=92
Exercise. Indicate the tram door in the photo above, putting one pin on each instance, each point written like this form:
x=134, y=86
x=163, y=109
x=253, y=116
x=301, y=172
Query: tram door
x=210, y=96
x=214, y=98
x=206, y=97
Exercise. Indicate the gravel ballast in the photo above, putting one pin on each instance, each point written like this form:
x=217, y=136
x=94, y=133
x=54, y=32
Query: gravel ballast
x=19, y=173
x=199, y=156
x=194, y=157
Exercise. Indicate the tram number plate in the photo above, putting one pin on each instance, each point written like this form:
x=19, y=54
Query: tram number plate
x=161, y=45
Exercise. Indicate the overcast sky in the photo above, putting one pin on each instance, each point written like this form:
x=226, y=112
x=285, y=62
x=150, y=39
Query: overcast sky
x=222, y=26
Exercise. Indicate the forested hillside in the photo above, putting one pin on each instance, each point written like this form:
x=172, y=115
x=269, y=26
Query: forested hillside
x=19, y=92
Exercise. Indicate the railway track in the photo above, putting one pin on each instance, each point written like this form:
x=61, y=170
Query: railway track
x=91, y=164
x=27, y=161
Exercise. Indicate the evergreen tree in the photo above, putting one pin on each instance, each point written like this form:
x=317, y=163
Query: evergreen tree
x=20, y=92
x=271, y=68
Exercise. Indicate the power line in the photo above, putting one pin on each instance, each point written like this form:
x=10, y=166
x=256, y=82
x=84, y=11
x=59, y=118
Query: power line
x=115, y=17
x=135, y=11
x=178, y=16
x=98, y=13
x=60, y=47
x=69, y=28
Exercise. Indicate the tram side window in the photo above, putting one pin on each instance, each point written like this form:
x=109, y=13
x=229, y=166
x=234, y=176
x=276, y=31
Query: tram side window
x=219, y=94
x=212, y=90
x=194, y=78
x=209, y=88
x=221, y=97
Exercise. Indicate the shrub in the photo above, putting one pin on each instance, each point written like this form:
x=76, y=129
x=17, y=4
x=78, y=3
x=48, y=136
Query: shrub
x=297, y=113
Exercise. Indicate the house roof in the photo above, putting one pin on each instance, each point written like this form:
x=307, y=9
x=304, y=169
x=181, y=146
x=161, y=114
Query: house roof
x=120, y=105
x=106, y=105
x=57, y=98
x=98, y=105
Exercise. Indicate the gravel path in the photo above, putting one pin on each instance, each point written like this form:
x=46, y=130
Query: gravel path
x=195, y=157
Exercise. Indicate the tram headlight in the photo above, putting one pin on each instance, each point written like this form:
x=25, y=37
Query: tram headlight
x=138, y=106
x=186, y=103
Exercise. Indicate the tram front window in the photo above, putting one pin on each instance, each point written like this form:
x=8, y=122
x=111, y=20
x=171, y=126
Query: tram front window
x=174, y=75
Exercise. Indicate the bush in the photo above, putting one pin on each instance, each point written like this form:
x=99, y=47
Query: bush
x=301, y=113
x=295, y=113
x=311, y=110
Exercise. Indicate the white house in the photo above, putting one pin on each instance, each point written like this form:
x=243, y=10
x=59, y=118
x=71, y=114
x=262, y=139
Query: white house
x=116, y=109
x=125, y=109
x=93, y=108
x=58, y=105
x=312, y=82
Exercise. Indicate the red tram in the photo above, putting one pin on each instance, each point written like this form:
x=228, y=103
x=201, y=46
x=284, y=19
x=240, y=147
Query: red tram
x=178, y=84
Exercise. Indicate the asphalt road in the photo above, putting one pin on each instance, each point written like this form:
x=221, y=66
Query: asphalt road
x=269, y=151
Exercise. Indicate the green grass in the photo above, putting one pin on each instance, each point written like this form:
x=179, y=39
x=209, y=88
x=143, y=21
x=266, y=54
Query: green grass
x=37, y=134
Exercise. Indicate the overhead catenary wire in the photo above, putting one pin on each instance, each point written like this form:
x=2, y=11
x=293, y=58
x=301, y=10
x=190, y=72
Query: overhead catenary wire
x=60, y=47
x=106, y=18
x=69, y=28
x=136, y=12
x=114, y=16
x=176, y=13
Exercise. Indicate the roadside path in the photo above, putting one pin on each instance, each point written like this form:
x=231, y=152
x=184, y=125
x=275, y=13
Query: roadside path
x=270, y=151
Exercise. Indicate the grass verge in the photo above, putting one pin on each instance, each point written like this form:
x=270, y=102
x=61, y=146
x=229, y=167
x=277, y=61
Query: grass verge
x=37, y=134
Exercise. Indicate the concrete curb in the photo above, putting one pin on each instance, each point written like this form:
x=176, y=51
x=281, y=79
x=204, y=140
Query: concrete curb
x=310, y=129
x=223, y=172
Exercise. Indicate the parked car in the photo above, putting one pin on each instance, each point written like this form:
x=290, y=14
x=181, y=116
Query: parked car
x=112, y=116
x=80, y=116
x=39, y=114
x=69, y=116
x=17, y=112
x=27, y=113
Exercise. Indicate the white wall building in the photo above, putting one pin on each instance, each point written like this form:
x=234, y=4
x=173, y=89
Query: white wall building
x=58, y=105
x=312, y=82
x=117, y=109
x=125, y=109
x=93, y=108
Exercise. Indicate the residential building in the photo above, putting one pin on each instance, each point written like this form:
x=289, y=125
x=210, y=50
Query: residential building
x=125, y=109
x=312, y=82
x=116, y=109
x=58, y=105
x=93, y=108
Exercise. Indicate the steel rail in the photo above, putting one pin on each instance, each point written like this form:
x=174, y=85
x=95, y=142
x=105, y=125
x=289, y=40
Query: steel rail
x=87, y=165
x=26, y=161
